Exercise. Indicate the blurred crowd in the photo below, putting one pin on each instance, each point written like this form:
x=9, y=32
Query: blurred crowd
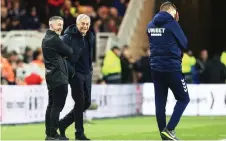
x=28, y=68
x=204, y=69
x=106, y=15
x=22, y=69
x=120, y=68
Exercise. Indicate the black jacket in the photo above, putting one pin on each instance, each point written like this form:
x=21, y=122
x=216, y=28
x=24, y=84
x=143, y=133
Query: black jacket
x=127, y=70
x=215, y=71
x=73, y=38
x=54, y=53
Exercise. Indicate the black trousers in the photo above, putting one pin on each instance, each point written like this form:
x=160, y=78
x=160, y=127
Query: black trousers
x=57, y=98
x=81, y=94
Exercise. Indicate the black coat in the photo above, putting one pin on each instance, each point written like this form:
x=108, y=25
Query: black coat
x=127, y=71
x=215, y=71
x=73, y=38
x=54, y=53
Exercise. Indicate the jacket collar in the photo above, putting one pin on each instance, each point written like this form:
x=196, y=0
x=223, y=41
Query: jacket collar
x=51, y=32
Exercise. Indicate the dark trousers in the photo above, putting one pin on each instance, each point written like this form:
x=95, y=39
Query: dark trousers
x=176, y=82
x=57, y=98
x=81, y=94
x=114, y=78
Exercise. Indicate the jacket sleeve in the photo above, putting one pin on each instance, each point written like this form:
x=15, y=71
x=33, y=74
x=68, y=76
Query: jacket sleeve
x=66, y=39
x=62, y=48
x=179, y=35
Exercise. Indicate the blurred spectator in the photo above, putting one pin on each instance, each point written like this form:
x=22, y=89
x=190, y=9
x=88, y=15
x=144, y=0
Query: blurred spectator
x=7, y=74
x=13, y=58
x=112, y=66
x=114, y=15
x=188, y=61
x=68, y=18
x=5, y=21
x=38, y=65
x=32, y=20
x=127, y=66
x=223, y=57
x=97, y=26
x=97, y=3
x=3, y=4
x=28, y=55
x=201, y=63
x=43, y=28
x=22, y=72
x=111, y=26
x=15, y=17
x=16, y=14
x=121, y=5
x=3, y=51
x=69, y=8
x=215, y=71
x=143, y=68
x=102, y=14
x=54, y=7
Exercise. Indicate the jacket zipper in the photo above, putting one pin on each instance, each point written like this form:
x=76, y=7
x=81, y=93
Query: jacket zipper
x=83, y=41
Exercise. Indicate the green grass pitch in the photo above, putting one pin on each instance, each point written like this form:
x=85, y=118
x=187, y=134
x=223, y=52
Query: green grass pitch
x=132, y=128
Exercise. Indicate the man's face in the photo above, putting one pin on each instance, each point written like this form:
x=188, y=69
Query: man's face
x=117, y=52
x=204, y=55
x=57, y=26
x=83, y=25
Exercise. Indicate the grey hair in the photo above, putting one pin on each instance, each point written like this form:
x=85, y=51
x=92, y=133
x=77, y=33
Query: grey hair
x=54, y=18
x=82, y=16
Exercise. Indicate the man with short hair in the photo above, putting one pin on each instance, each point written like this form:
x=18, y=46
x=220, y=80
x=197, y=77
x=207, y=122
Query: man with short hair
x=167, y=41
x=54, y=53
x=81, y=40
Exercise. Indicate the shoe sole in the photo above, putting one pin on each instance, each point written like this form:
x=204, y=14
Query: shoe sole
x=167, y=137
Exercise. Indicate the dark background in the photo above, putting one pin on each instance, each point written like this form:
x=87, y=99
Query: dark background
x=203, y=22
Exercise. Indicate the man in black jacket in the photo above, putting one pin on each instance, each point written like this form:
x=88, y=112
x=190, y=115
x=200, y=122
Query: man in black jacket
x=81, y=40
x=54, y=53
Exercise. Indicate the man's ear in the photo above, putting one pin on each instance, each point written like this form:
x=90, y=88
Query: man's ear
x=177, y=16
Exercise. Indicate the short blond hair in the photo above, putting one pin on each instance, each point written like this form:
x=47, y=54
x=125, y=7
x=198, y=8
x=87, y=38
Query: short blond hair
x=167, y=6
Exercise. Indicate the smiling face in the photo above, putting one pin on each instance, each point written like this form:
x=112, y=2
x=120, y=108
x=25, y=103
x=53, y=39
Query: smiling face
x=56, y=24
x=83, y=25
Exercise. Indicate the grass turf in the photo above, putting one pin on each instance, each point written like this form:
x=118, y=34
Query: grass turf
x=132, y=128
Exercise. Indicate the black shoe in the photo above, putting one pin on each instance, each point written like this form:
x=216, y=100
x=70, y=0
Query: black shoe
x=56, y=137
x=169, y=134
x=62, y=130
x=82, y=137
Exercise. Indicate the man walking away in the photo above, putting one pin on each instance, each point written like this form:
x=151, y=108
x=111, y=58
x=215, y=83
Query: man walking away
x=81, y=40
x=54, y=52
x=166, y=40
